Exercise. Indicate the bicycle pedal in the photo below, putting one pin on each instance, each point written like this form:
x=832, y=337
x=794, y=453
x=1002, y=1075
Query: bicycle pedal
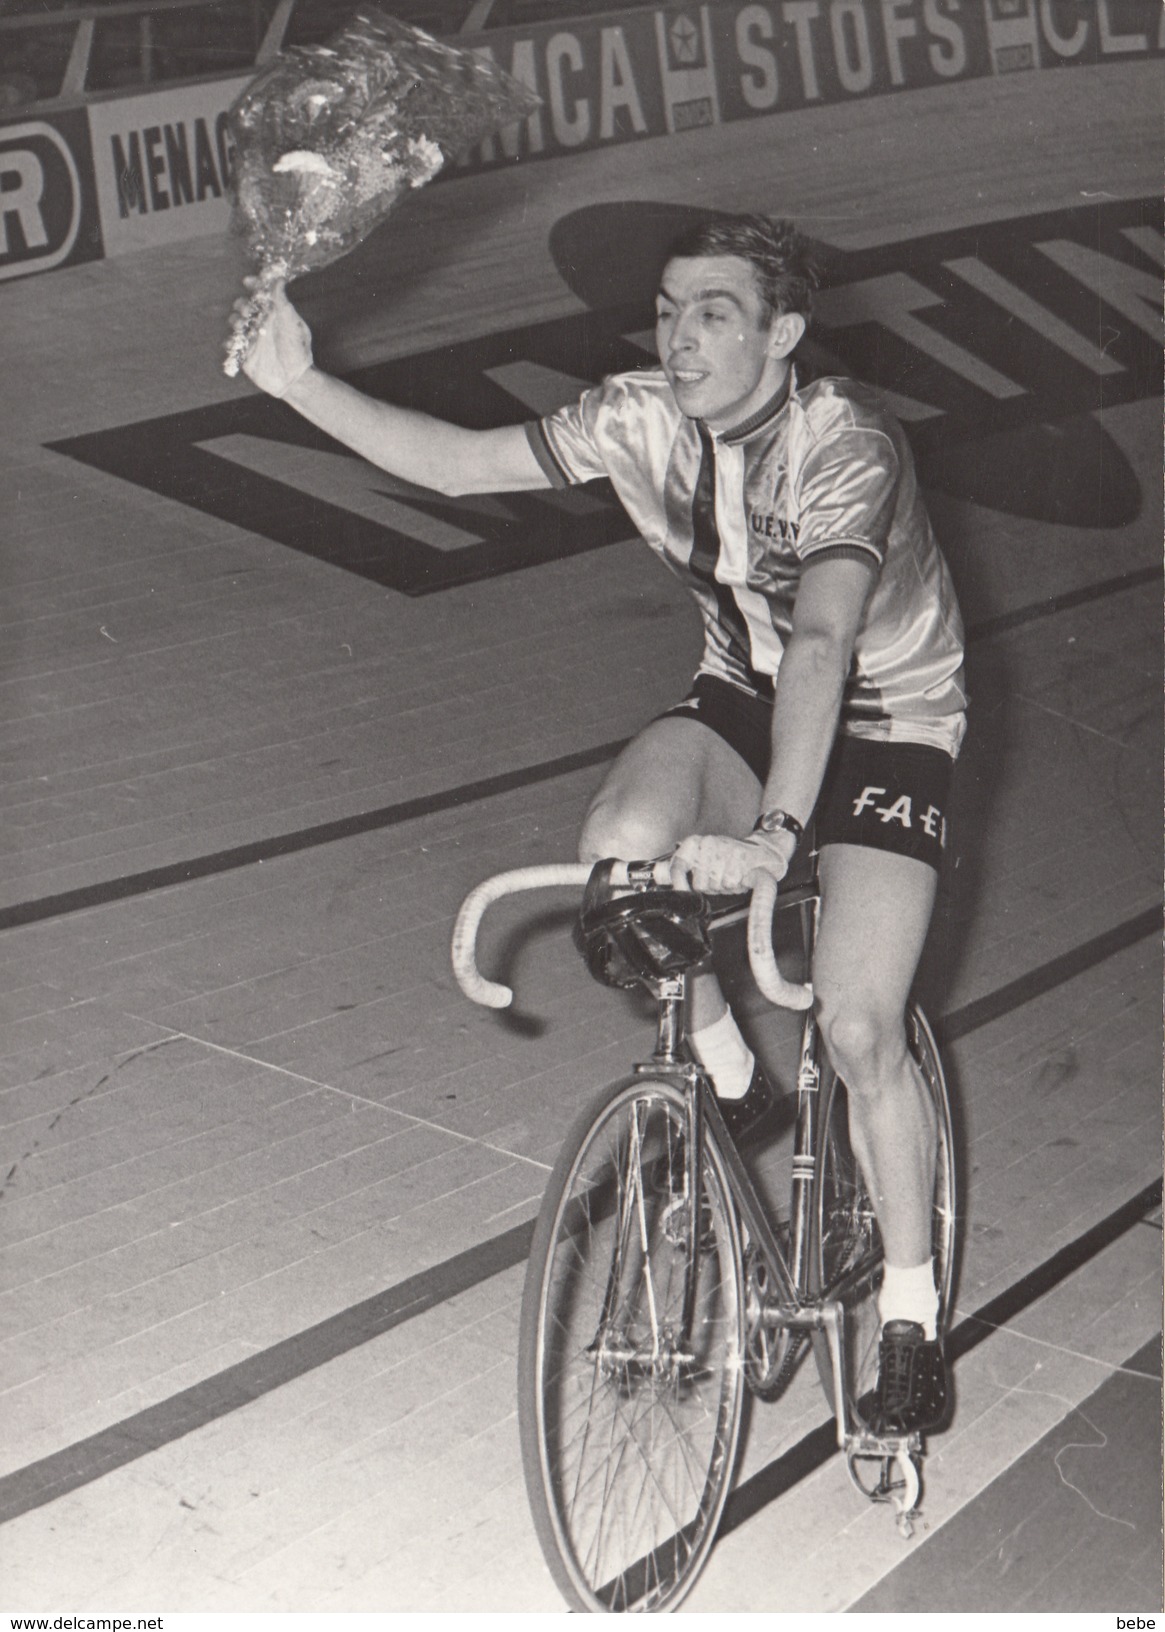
x=865, y=1444
x=899, y=1481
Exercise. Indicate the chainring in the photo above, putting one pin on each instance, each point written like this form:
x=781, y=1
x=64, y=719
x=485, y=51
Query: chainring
x=771, y=1355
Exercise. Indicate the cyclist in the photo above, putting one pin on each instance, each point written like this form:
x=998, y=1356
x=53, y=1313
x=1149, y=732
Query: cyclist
x=830, y=685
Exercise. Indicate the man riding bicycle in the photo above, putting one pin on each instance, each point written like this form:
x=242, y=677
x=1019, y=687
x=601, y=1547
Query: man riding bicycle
x=830, y=686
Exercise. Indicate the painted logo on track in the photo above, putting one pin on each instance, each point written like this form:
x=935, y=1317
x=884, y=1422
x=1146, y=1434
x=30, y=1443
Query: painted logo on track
x=995, y=345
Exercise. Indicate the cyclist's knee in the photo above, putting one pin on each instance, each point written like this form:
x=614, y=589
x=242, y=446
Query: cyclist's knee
x=628, y=831
x=867, y=1048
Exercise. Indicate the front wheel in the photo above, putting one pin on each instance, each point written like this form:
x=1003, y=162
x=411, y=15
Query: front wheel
x=630, y=1373
x=846, y=1252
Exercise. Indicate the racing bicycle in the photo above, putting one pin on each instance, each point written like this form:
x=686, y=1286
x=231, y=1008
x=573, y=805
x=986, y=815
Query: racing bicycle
x=659, y=1286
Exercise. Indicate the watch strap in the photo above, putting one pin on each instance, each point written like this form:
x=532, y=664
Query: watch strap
x=779, y=821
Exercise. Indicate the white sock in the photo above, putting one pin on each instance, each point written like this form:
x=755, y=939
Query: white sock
x=725, y=1055
x=909, y=1294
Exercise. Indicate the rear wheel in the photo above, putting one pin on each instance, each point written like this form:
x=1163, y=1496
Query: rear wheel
x=629, y=1425
x=846, y=1250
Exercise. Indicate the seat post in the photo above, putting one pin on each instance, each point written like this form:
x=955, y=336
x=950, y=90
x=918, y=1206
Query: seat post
x=670, y=994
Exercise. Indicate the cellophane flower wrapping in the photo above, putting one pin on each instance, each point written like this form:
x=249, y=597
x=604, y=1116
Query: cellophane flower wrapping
x=330, y=138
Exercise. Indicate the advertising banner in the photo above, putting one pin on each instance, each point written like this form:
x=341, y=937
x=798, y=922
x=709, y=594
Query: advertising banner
x=163, y=164
x=617, y=78
x=154, y=167
x=1063, y=33
x=48, y=207
x=782, y=56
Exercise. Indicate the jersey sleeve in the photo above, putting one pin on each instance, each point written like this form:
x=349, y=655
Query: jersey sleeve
x=848, y=495
x=566, y=442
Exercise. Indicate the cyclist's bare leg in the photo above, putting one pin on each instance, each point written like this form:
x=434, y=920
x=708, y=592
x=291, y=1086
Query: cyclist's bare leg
x=875, y=912
x=676, y=777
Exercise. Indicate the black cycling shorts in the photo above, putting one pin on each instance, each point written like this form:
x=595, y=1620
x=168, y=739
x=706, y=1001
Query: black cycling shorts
x=882, y=795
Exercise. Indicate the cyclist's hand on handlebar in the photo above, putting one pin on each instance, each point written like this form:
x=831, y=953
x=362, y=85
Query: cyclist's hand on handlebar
x=723, y=866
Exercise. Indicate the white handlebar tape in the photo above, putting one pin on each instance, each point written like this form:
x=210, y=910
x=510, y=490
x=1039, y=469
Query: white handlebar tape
x=490, y=993
x=786, y=994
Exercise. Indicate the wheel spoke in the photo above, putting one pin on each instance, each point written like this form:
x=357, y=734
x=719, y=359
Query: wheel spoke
x=641, y=1213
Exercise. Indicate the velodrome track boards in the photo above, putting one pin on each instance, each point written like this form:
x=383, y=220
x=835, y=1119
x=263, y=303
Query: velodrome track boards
x=268, y=716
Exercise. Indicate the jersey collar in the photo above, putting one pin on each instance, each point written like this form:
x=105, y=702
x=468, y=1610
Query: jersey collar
x=765, y=416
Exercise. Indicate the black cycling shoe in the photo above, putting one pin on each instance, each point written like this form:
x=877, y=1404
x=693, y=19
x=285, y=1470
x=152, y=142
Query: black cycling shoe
x=742, y=1116
x=911, y=1395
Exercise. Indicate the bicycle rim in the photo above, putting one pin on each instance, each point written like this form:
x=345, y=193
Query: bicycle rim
x=847, y=1244
x=629, y=1433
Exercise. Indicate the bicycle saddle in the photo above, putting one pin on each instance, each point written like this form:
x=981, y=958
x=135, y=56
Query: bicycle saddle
x=627, y=937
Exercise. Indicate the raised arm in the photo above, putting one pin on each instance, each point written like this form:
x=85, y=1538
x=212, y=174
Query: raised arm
x=416, y=447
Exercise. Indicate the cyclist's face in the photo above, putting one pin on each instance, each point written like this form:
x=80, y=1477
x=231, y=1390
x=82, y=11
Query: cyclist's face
x=722, y=352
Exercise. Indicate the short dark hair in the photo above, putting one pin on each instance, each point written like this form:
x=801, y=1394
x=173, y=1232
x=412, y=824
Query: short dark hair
x=782, y=259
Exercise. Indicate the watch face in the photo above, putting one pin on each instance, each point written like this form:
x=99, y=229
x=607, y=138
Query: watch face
x=778, y=821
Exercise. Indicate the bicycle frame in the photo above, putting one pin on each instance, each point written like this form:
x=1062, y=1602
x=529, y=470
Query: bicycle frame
x=794, y=1309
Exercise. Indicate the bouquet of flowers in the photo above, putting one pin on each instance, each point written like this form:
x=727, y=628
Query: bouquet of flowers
x=331, y=137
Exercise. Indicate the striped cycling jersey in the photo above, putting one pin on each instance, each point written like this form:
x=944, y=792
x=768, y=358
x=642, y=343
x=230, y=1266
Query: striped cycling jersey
x=820, y=470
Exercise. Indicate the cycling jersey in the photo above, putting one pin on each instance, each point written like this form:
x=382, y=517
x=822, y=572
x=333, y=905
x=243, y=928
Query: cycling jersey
x=821, y=470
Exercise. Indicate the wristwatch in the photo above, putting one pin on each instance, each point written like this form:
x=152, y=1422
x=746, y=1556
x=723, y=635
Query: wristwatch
x=779, y=821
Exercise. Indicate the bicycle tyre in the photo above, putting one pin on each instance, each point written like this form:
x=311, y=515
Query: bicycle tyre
x=628, y=1446
x=845, y=1232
